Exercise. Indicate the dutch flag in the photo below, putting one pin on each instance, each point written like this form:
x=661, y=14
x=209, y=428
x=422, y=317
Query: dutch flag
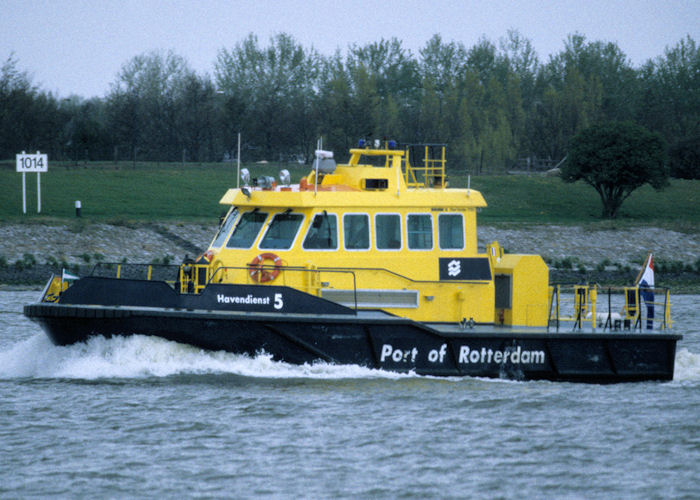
x=645, y=283
x=67, y=276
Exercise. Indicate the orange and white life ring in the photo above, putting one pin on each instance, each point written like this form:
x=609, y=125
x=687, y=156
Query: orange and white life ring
x=261, y=273
x=205, y=258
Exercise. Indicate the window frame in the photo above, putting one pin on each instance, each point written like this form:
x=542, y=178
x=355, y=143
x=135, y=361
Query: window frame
x=269, y=226
x=432, y=232
x=464, y=233
x=240, y=217
x=368, y=218
x=310, y=227
x=234, y=222
x=376, y=227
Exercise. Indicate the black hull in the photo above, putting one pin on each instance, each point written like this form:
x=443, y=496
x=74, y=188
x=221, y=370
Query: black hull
x=379, y=341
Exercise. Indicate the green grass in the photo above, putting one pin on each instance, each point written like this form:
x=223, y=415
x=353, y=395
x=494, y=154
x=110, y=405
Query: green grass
x=107, y=193
x=539, y=199
x=151, y=191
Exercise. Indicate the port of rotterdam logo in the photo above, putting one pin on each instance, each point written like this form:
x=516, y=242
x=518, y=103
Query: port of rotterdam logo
x=465, y=268
x=454, y=268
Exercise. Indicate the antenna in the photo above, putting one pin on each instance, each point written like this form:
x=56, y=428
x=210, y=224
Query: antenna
x=319, y=146
x=238, y=157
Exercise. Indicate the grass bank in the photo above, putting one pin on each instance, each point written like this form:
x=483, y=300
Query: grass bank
x=109, y=192
x=549, y=200
x=161, y=191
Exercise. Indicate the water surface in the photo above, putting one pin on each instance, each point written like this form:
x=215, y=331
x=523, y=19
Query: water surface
x=143, y=417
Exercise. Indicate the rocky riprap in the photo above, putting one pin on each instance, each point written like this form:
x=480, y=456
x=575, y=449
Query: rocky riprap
x=628, y=246
x=83, y=244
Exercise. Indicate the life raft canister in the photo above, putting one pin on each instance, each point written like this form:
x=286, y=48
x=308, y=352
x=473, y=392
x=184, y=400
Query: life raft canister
x=261, y=274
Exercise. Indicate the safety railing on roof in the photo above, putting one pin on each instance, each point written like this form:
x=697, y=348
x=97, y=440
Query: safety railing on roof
x=428, y=167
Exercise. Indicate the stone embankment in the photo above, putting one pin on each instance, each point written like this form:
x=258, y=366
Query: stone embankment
x=41, y=249
x=628, y=246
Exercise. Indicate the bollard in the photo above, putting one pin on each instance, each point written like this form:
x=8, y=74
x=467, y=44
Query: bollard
x=77, y=208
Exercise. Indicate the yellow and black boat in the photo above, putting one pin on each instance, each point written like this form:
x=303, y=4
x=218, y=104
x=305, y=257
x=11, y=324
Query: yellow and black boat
x=373, y=262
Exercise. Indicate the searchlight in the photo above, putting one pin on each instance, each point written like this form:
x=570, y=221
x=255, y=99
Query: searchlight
x=245, y=176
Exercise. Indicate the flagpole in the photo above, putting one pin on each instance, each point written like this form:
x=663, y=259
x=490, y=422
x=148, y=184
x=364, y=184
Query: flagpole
x=641, y=271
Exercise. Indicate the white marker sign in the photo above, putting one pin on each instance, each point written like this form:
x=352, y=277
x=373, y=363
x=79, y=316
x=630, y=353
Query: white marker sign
x=32, y=163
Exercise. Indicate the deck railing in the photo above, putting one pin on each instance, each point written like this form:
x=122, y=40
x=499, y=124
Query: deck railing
x=576, y=306
x=619, y=308
x=157, y=272
x=312, y=281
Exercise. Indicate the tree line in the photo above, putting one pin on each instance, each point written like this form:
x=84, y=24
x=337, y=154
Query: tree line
x=494, y=104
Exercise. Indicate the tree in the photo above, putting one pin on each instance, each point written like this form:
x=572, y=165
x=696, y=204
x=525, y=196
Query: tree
x=384, y=84
x=684, y=158
x=272, y=93
x=142, y=104
x=522, y=59
x=28, y=117
x=670, y=104
x=197, y=117
x=604, y=62
x=335, y=104
x=85, y=135
x=616, y=158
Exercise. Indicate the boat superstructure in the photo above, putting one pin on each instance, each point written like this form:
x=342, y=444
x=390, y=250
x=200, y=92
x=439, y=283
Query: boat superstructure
x=378, y=233
x=375, y=262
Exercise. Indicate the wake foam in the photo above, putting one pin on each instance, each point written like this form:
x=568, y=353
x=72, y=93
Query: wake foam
x=687, y=365
x=139, y=356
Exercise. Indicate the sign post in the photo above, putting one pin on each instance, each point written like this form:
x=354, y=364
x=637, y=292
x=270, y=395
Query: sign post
x=24, y=192
x=32, y=163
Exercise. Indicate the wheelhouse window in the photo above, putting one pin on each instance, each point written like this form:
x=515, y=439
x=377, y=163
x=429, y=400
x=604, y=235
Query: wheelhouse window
x=225, y=228
x=356, y=231
x=451, y=231
x=282, y=231
x=387, y=231
x=247, y=230
x=419, y=229
x=322, y=233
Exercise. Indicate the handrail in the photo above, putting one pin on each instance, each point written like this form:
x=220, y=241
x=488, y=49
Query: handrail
x=356, y=269
x=195, y=282
x=141, y=268
x=432, y=168
x=638, y=305
x=389, y=271
x=287, y=268
x=637, y=308
x=149, y=267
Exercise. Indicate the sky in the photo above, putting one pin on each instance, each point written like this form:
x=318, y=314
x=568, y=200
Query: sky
x=77, y=47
